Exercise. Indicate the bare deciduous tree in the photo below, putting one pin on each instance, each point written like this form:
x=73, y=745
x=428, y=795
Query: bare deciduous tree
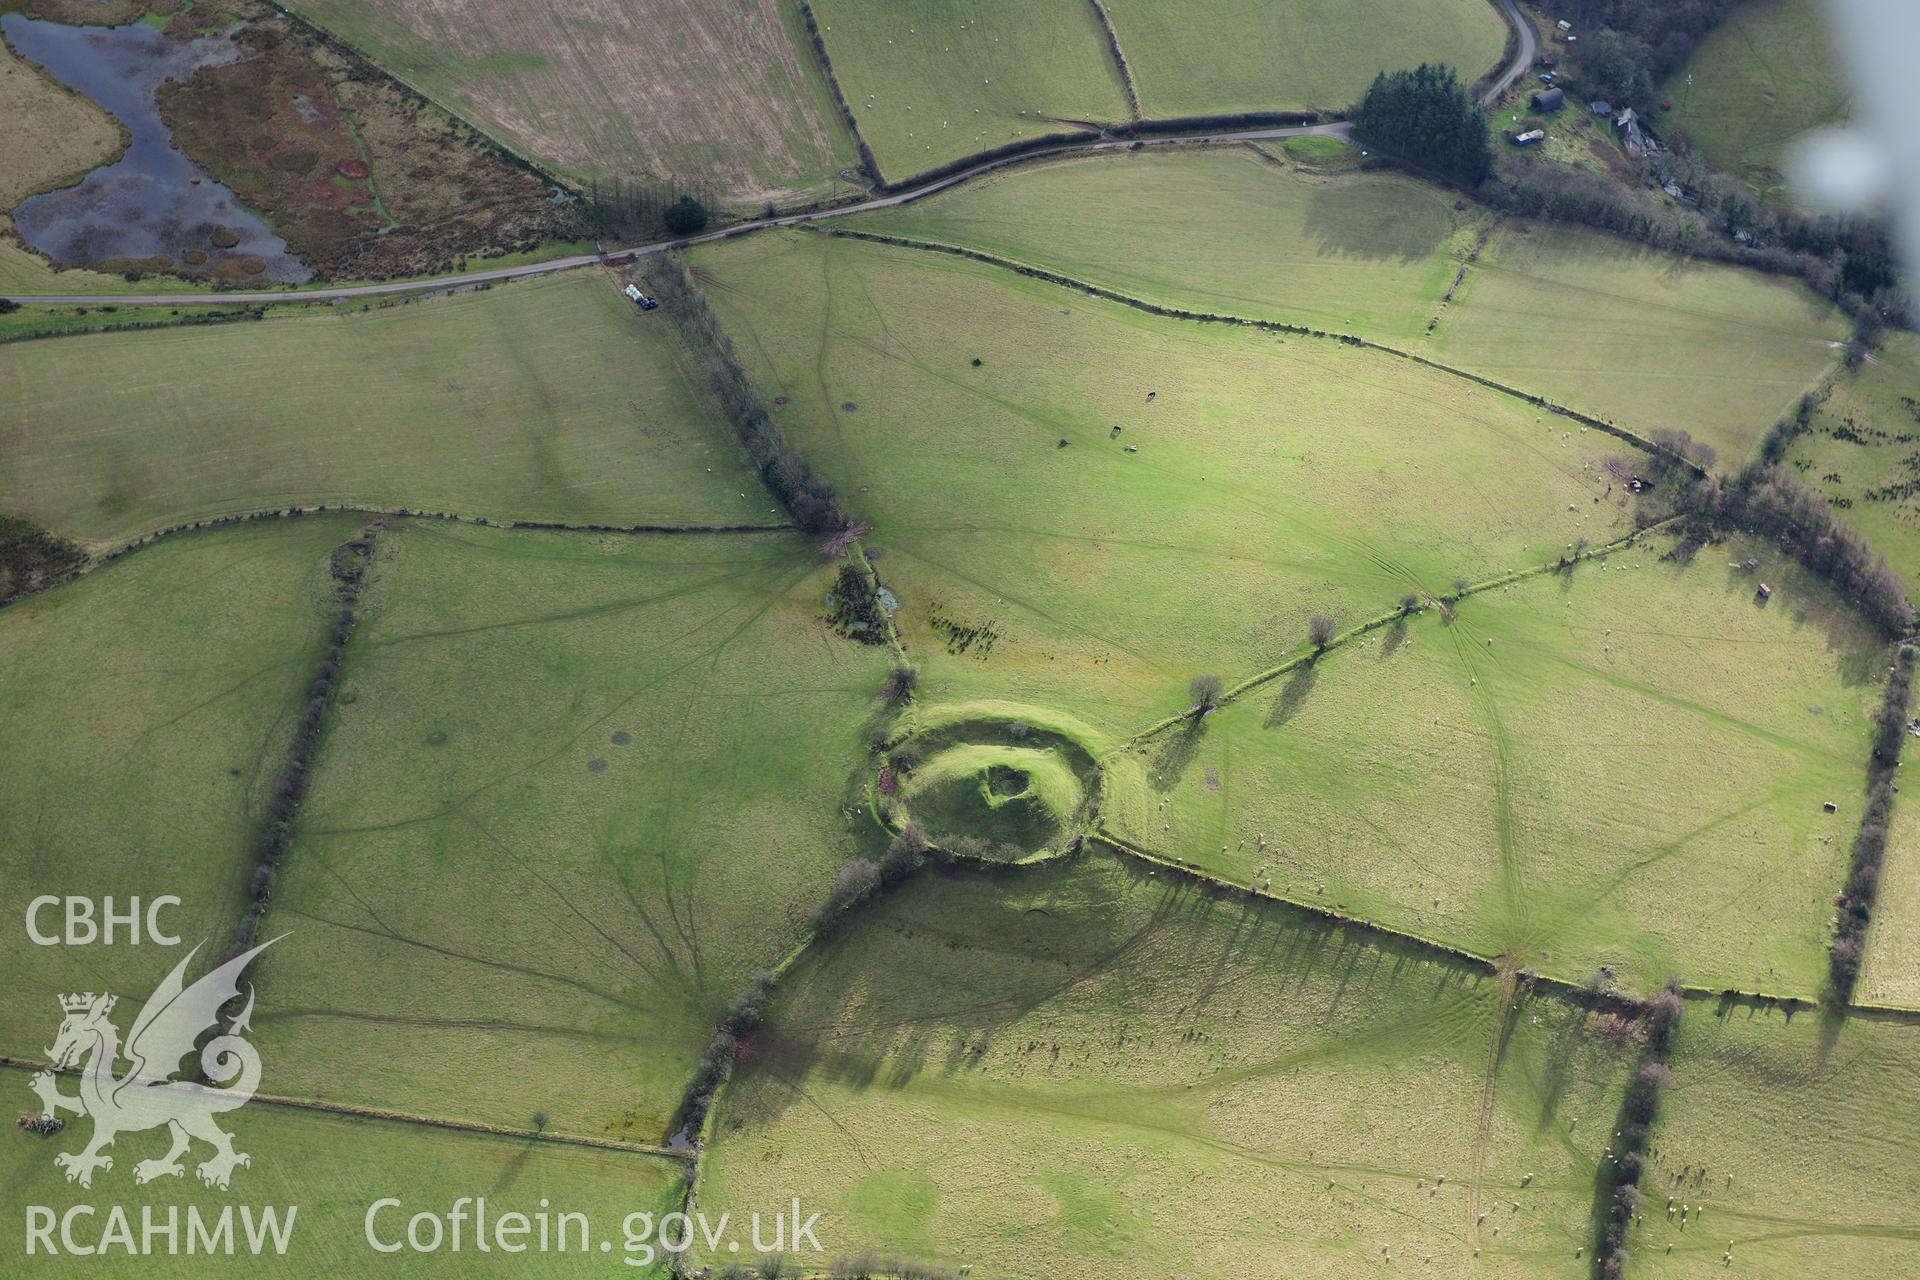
x=1205, y=692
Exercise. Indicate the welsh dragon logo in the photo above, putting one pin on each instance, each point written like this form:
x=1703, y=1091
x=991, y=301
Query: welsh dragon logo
x=147, y=1096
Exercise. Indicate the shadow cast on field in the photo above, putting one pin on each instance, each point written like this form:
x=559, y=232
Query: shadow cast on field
x=1858, y=653
x=1570, y=1041
x=1293, y=694
x=1396, y=636
x=1176, y=752
x=1348, y=220
x=963, y=1020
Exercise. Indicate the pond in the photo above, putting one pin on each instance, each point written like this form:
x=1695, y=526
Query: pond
x=152, y=201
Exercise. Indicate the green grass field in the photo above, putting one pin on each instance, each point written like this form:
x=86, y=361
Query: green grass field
x=148, y=707
x=1763, y=76
x=1645, y=340
x=1864, y=447
x=1216, y=56
x=546, y=400
x=1274, y=479
x=574, y=791
x=931, y=81
x=1282, y=989
x=1793, y=1141
x=1625, y=766
x=1891, y=975
x=608, y=88
x=1227, y=231
x=1088, y=1069
x=330, y=1169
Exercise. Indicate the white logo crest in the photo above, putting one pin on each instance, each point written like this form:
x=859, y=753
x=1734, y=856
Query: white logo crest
x=147, y=1096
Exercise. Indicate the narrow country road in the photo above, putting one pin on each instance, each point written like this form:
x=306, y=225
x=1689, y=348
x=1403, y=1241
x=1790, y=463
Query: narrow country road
x=1529, y=47
x=1529, y=50
x=218, y=297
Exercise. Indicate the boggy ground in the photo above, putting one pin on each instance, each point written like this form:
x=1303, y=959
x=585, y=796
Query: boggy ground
x=362, y=177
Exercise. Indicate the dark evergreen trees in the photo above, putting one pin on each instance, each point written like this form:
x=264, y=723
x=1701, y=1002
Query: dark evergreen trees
x=1427, y=116
x=685, y=216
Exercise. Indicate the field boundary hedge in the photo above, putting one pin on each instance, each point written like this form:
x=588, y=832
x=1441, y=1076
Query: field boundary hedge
x=1313, y=654
x=1616, y=1192
x=832, y=78
x=1102, y=134
x=347, y=567
x=251, y=311
x=1849, y=947
x=813, y=503
x=1564, y=987
x=1333, y=915
x=1773, y=503
x=1119, y=56
x=113, y=553
x=1643, y=443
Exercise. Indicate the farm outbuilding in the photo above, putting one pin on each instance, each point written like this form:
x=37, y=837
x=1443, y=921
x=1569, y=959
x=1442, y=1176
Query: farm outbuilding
x=1549, y=99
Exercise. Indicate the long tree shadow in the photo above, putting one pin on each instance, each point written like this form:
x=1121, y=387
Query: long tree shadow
x=1395, y=637
x=1176, y=753
x=1293, y=695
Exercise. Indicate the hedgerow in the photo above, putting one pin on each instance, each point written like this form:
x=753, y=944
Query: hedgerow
x=812, y=502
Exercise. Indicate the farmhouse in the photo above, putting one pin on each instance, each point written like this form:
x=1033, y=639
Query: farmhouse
x=1549, y=99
